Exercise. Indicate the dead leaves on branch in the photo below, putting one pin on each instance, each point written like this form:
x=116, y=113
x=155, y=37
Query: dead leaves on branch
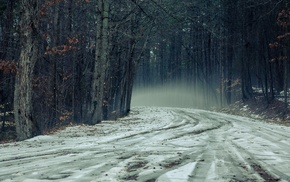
x=282, y=40
x=61, y=50
x=73, y=40
x=51, y=3
x=284, y=35
x=283, y=18
x=7, y=66
x=280, y=58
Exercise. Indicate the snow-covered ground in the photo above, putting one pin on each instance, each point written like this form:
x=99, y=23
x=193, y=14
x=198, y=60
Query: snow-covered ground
x=154, y=144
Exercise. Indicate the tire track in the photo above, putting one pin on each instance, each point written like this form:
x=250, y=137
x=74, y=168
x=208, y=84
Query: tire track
x=189, y=145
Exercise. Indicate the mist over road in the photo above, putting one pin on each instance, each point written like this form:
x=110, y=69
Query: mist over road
x=154, y=144
x=172, y=95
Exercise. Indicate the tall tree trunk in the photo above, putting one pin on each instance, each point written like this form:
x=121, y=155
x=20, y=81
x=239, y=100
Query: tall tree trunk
x=286, y=82
x=98, y=103
x=286, y=70
x=247, y=92
x=26, y=126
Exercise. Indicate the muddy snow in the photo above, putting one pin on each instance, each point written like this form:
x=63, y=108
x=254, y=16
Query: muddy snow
x=154, y=144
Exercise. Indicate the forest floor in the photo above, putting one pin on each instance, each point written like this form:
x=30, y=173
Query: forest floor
x=258, y=108
x=154, y=144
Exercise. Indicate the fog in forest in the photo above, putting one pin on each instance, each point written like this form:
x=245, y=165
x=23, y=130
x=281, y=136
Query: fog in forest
x=170, y=95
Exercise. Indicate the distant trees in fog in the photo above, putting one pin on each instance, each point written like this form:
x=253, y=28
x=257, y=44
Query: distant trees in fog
x=221, y=47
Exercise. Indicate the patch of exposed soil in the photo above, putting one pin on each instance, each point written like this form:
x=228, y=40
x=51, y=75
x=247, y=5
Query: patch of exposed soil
x=267, y=177
x=133, y=166
x=171, y=163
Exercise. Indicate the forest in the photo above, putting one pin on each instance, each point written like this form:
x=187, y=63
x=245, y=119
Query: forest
x=66, y=62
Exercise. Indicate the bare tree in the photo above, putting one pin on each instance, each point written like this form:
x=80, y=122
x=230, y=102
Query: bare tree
x=26, y=126
x=98, y=103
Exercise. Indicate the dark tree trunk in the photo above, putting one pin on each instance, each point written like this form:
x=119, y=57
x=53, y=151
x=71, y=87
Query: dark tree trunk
x=98, y=105
x=247, y=92
x=26, y=126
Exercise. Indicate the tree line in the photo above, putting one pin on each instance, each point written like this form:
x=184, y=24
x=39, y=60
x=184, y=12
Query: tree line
x=68, y=61
x=74, y=61
x=228, y=50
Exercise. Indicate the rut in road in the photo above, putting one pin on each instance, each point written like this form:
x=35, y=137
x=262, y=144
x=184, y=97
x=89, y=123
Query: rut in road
x=159, y=144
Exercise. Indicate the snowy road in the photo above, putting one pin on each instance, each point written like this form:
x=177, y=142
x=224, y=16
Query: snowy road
x=154, y=144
